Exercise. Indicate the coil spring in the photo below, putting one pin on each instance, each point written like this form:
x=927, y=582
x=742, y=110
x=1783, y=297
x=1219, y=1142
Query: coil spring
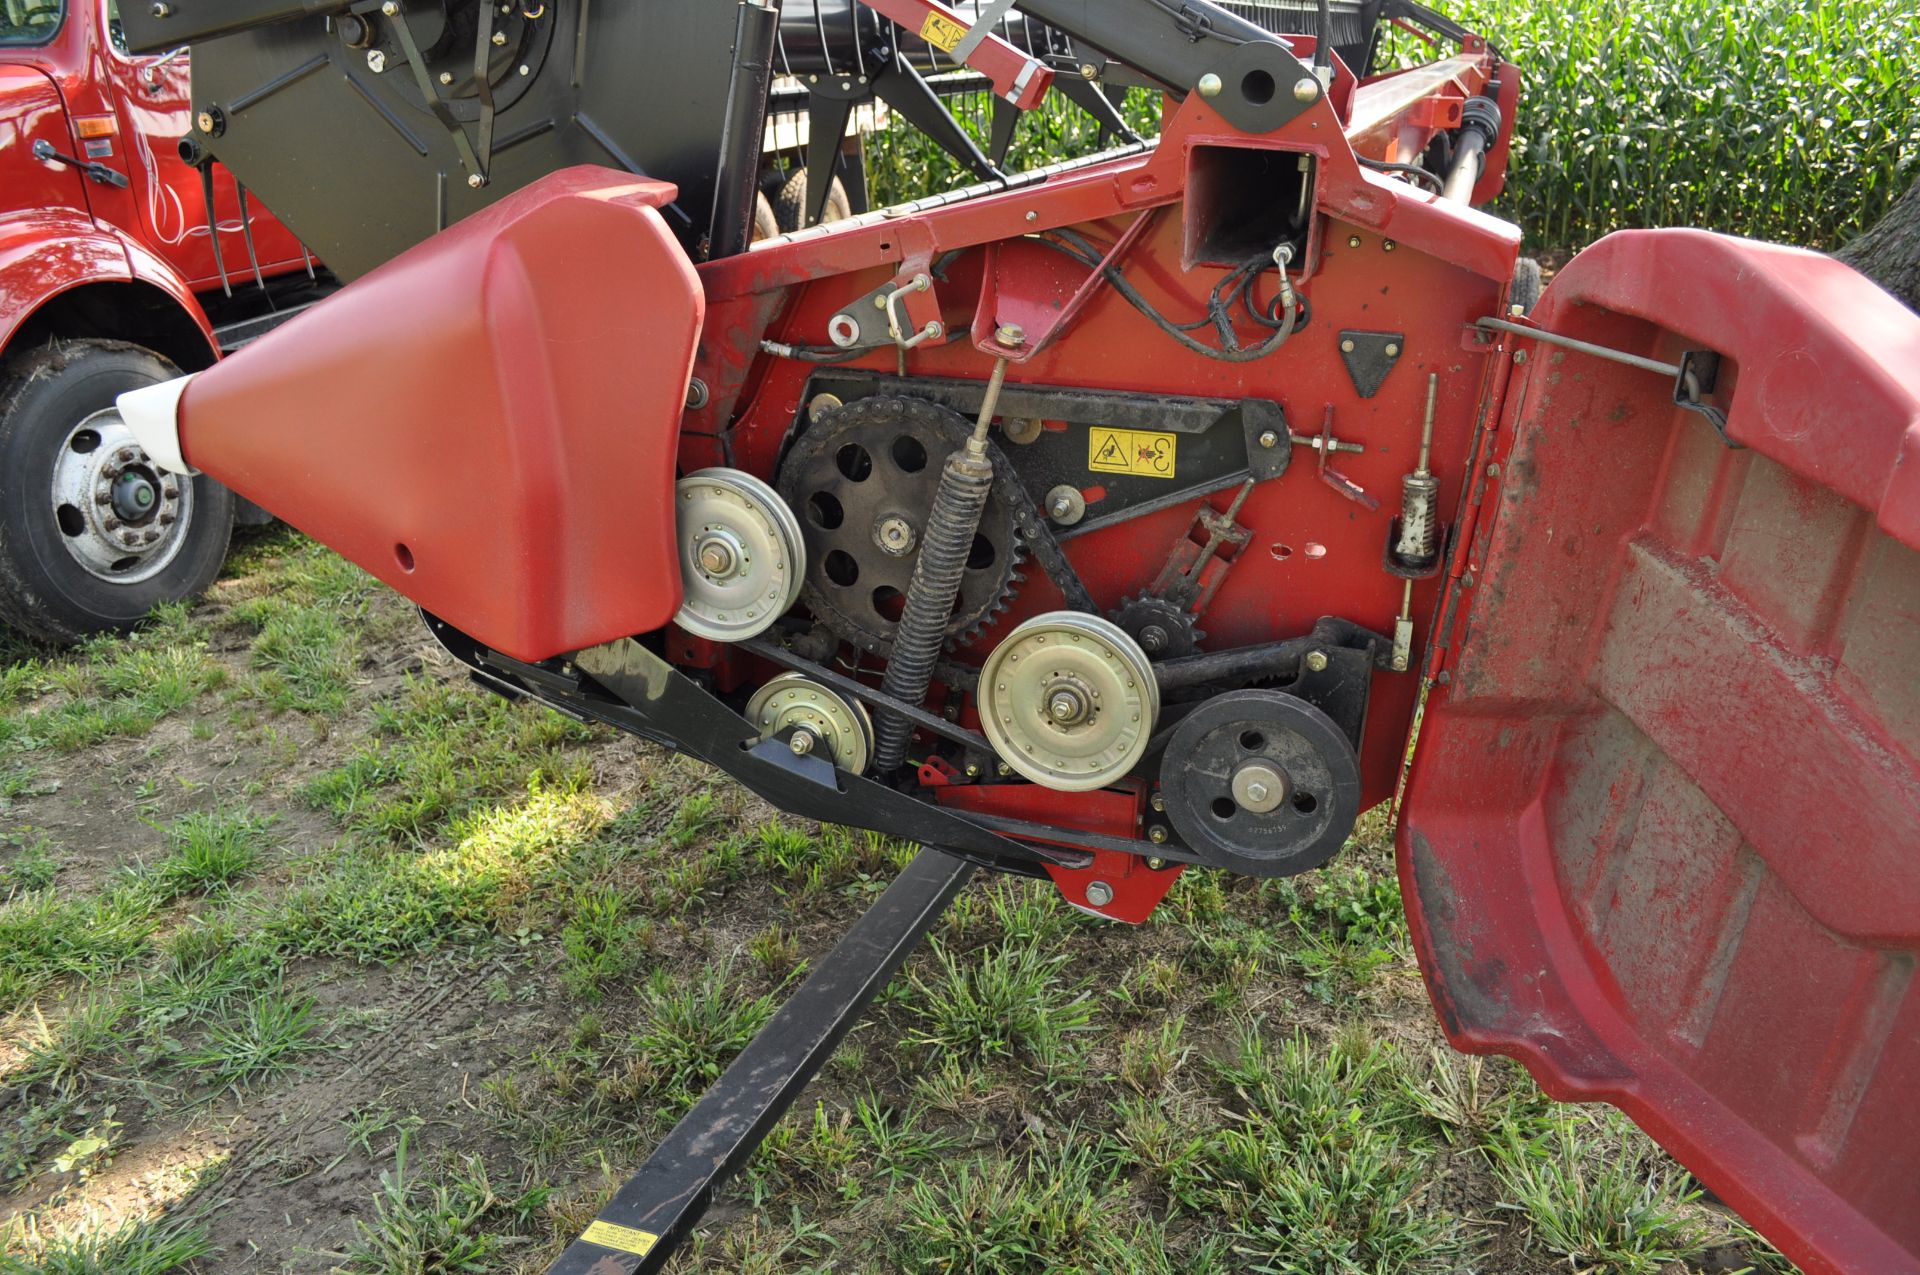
x=966, y=481
x=1419, y=539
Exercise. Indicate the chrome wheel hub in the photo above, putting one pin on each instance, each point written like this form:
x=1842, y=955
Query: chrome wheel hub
x=120, y=516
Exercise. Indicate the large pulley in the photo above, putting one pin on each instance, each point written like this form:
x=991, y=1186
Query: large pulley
x=1261, y=782
x=741, y=554
x=814, y=718
x=1069, y=701
x=865, y=479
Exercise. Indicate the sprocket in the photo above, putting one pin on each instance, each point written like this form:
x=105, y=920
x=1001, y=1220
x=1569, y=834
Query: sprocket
x=1163, y=629
x=862, y=481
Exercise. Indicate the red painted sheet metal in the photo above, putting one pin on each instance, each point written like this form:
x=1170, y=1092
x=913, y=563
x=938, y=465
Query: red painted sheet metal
x=1662, y=835
x=488, y=422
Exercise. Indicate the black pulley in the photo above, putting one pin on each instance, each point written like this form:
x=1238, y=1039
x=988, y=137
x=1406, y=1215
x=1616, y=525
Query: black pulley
x=1261, y=782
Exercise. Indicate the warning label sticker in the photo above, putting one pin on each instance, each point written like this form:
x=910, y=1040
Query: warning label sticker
x=622, y=1239
x=942, y=32
x=1130, y=451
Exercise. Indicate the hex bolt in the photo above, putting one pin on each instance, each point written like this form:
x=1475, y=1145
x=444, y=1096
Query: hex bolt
x=1353, y=241
x=1268, y=438
x=1153, y=639
x=376, y=61
x=1157, y=834
x=1099, y=893
x=1157, y=801
x=1393, y=350
x=1306, y=89
x=446, y=77
x=390, y=8
x=1209, y=85
x=973, y=770
x=161, y=10
x=1317, y=661
x=1032, y=215
x=1156, y=863
x=801, y=742
x=499, y=39
x=1346, y=347
x=1003, y=770
x=1010, y=335
x=525, y=69
x=475, y=180
x=1387, y=245
x=1088, y=71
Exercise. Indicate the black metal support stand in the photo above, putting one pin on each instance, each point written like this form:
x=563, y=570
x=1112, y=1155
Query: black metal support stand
x=651, y=1215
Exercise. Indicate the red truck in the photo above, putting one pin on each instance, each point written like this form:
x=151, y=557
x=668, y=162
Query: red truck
x=120, y=263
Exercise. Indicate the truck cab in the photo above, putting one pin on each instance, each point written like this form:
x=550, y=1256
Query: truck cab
x=123, y=261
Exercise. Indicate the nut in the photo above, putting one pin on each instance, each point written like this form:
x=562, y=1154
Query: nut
x=475, y=180
x=1010, y=335
x=1269, y=438
x=1088, y=71
x=1306, y=89
x=1209, y=85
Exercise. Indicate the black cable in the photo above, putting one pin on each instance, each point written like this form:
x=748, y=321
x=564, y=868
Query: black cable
x=1408, y=170
x=1235, y=286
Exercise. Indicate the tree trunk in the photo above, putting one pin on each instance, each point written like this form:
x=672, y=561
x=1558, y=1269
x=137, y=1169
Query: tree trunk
x=1889, y=253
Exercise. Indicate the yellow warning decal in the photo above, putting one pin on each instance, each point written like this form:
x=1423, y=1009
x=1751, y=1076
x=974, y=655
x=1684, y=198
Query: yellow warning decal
x=622, y=1239
x=942, y=32
x=1130, y=451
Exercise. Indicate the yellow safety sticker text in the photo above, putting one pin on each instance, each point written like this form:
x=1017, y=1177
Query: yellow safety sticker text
x=621, y=1239
x=942, y=32
x=1131, y=451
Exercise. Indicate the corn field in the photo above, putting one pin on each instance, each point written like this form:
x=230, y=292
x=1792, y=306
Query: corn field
x=1777, y=119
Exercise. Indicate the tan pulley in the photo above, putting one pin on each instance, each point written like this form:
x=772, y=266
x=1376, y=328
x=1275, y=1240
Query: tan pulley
x=741, y=556
x=1069, y=701
x=821, y=719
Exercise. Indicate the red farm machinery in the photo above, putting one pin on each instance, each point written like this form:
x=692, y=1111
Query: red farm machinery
x=1122, y=515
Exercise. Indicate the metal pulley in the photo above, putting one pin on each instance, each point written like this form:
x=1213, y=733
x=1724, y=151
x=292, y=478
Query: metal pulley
x=741, y=555
x=818, y=718
x=1261, y=782
x=1069, y=701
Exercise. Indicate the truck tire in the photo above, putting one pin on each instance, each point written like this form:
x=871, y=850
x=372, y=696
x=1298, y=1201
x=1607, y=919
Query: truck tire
x=791, y=204
x=92, y=535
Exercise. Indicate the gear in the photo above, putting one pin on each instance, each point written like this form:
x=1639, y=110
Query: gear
x=1164, y=630
x=862, y=480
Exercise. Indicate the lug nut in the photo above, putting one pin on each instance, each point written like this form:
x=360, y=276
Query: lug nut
x=166, y=520
x=149, y=537
x=113, y=524
x=170, y=492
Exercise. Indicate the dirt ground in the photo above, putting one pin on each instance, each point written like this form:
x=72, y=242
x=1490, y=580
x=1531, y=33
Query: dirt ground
x=314, y=957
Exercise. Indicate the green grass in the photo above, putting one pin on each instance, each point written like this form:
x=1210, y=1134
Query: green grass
x=1250, y=1082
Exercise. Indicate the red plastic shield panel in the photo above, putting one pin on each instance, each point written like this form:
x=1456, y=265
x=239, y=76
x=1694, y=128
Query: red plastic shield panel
x=1662, y=836
x=488, y=422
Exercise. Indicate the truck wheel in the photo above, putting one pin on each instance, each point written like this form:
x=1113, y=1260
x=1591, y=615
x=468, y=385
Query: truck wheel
x=93, y=535
x=791, y=204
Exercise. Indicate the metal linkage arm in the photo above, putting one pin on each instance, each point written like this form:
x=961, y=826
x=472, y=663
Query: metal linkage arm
x=1016, y=77
x=652, y=1214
